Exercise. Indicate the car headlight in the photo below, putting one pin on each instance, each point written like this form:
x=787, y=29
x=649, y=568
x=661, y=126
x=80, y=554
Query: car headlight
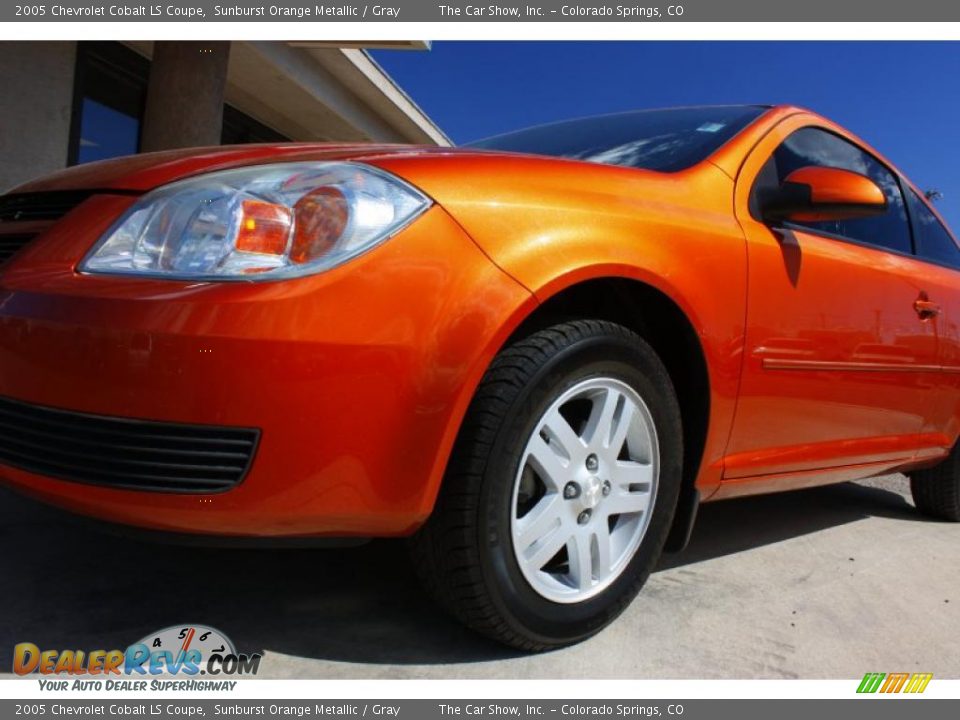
x=261, y=222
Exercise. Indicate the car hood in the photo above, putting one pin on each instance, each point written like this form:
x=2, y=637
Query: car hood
x=140, y=173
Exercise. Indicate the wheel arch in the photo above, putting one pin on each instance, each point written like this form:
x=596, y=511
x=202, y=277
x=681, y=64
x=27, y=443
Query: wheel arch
x=652, y=312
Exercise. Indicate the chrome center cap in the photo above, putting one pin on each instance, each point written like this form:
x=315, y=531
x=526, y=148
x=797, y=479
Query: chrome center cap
x=592, y=492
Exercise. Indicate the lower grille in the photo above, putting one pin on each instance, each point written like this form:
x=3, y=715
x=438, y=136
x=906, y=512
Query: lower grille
x=124, y=453
x=10, y=244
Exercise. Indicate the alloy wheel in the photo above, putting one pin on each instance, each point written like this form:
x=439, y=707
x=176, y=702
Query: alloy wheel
x=584, y=490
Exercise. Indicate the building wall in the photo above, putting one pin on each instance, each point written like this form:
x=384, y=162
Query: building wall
x=273, y=91
x=37, y=82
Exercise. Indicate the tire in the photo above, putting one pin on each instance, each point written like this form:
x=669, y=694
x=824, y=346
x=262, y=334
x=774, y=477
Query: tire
x=502, y=485
x=936, y=491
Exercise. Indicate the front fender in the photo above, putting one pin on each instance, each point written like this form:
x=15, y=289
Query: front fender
x=553, y=224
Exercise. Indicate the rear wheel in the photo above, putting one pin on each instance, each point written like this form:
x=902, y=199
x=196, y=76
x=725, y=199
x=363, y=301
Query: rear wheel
x=561, y=488
x=936, y=491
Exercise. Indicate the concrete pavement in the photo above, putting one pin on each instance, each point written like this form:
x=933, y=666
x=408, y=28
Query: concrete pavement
x=824, y=583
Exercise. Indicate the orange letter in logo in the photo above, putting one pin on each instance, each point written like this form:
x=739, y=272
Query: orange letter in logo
x=26, y=657
x=112, y=662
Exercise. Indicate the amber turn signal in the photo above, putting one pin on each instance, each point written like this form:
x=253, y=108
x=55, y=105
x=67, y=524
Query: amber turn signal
x=264, y=228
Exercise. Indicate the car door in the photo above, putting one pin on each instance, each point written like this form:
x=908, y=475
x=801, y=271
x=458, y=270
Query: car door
x=838, y=366
x=939, y=251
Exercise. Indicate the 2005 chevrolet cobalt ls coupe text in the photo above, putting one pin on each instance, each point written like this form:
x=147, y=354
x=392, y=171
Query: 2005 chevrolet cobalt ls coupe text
x=535, y=356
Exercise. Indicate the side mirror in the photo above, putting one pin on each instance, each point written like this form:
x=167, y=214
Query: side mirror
x=814, y=194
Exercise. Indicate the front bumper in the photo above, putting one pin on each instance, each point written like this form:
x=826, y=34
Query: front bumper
x=356, y=379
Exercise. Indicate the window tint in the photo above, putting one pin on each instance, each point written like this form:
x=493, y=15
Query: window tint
x=662, y=140
x=933, y=241
x=819, y=148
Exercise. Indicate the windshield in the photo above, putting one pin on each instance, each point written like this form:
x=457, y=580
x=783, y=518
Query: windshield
x=661, y=140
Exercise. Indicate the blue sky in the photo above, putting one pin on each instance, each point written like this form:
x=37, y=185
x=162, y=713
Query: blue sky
x=902, y=98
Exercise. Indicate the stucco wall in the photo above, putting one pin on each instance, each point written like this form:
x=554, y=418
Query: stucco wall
x=36, y=87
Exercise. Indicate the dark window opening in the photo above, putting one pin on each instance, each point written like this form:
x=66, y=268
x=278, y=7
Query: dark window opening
x=239, y=129
x=934, y=241
x=110, y=91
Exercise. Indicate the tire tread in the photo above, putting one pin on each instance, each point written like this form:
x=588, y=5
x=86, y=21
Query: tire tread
x=936, y=490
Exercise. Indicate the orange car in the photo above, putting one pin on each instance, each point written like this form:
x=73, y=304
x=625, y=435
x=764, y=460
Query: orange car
x=535, y=355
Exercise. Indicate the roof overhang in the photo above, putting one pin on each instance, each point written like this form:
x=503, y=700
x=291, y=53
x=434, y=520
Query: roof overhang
x=320, y=91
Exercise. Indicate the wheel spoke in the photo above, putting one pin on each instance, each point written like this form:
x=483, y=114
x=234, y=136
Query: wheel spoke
x=537, y=525
x=560, y=433
x=601, y=551
x=621, y=426
x=540, y=553
x=623, y=502
x=627, y=473
x=601, y=419
x=550, y=466
x=581, y=561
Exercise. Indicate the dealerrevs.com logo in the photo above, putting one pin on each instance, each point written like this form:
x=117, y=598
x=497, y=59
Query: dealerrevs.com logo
x=179, y=650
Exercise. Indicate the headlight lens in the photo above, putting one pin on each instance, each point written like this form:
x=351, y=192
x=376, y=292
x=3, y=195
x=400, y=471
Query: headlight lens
x=262, y=222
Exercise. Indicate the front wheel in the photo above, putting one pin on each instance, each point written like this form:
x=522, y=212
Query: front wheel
x=561, y=488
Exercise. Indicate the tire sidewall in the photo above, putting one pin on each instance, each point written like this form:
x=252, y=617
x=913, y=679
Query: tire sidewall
x=602, y=355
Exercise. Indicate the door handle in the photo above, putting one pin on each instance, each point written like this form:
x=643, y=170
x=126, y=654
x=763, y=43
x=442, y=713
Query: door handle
x=926, y=308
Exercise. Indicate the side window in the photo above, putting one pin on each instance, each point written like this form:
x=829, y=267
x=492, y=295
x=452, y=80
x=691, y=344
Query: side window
x=814, y=147
x=933, y=240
